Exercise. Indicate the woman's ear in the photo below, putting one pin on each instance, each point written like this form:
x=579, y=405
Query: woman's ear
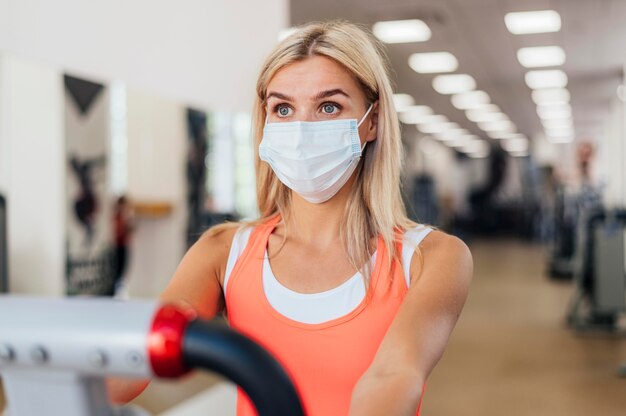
x=372, y=131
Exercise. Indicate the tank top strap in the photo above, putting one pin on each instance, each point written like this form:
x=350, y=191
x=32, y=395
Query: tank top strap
x=255, y=247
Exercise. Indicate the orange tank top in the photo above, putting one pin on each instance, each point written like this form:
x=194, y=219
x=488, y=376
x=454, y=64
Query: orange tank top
x=324, y=360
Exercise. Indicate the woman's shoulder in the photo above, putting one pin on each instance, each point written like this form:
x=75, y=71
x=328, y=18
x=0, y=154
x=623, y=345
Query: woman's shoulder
x=440, y=249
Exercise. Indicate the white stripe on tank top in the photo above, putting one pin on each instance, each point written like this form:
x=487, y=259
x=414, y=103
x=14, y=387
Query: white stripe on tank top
x=315, y=308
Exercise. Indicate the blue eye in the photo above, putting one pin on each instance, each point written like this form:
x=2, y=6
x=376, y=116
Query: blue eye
x=329, y=108
x=283, y=110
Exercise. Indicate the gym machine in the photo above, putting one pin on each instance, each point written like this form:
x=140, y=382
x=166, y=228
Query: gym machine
x=56, y=353
x=599, y=275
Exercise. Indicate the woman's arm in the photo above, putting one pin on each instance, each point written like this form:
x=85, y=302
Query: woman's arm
x=419, y=333
x=196, y=283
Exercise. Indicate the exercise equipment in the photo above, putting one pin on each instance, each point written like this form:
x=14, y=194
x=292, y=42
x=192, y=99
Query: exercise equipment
x=600, y=279
x=56, y=353
x=571, y=206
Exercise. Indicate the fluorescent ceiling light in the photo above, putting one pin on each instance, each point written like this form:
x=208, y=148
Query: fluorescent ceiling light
x=453, y=84
x=285, y=33
x=478, y=116
x=402, y=31
x=475, y=146
x=415, y=114
x=515, y=145
x=434, y=119
x=559, y=132
x=541, y=56
x=557, y=123
x=546, y=78
x=498, y=126
x=462, y=141
x=551, y=95
x=401, y=101
x=452, y=134
x=540, y=21
x=433, y=62
x=498, y=135
x=554, y=112
x=437, y=128
x=470, y=100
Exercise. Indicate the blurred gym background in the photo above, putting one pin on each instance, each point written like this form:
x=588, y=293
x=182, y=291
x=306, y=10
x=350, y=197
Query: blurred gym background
x=125, y=128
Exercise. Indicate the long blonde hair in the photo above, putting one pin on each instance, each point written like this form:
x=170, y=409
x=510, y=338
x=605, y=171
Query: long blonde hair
x=375, y=206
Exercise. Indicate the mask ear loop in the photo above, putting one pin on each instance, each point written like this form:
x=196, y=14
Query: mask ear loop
x=365, y=116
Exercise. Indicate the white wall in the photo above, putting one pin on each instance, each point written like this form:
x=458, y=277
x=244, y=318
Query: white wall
x=207, y=53
x=157, y=146
x=33, y=174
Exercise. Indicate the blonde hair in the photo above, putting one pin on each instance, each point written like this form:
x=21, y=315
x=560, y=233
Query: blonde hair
x=375, y=206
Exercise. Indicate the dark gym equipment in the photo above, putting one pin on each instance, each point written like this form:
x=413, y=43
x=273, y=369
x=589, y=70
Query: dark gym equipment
x=599, y=274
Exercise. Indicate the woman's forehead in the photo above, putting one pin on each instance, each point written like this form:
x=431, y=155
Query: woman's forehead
x=310, y=76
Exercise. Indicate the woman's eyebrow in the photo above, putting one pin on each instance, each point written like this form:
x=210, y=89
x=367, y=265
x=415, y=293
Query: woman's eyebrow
x=278, y=95
x=330, y=93
x=320, y=95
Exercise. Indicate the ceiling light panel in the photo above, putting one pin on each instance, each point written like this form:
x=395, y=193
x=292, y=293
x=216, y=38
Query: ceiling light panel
x=415, y=114
x=470, y=100
x=515, y=145
x=541, y=56
x=546, y=78
x=540, y=21
x=454, y=83
x=551, y=95
x=402, y=31
x=479, y=116
x=433, y=62
x=401, y=101
x=505, y=126
x=557, y=112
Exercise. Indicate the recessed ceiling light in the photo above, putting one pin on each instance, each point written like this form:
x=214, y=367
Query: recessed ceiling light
x=433, y=62
x=436, y=128
x=546, y=78
x=560, y=131
x=434, y=119
x=515, y=145
x=554, y=112
x=462, y=141
x=551, y=95
x=402, y=31
x=401, y=101
x=540, y=56
x=498, y=126
x=540, y=21
x=452, y=134
x=499, y=135
x=557, y=123
x=453, y=84
x=470, y=100
x=478, y=116
x=414, y=114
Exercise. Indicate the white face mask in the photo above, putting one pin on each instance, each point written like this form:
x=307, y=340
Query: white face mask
x=314, y=159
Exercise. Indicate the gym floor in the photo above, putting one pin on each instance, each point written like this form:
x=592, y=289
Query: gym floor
x=510, y=353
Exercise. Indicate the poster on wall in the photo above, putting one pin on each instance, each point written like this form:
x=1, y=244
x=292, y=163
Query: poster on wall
x=89, y=262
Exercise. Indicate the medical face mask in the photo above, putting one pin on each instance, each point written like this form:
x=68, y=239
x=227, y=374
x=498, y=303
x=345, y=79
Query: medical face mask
x=314, y=159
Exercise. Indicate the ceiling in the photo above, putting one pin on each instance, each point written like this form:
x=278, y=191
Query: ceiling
x=593, y=35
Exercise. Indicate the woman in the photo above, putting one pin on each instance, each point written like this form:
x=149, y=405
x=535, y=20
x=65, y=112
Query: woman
x=326, y=279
